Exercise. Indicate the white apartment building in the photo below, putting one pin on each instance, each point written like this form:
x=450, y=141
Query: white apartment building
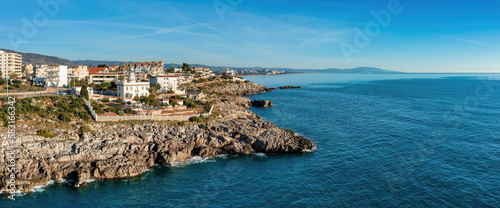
x=167, y=82
x=99, y=78
x=129, y=89
x=52, y=75
x=78, y=73
x=10, y=63
x=202, y=70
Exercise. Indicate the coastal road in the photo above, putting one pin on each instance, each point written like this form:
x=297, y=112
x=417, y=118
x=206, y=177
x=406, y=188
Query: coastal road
x=49, y=91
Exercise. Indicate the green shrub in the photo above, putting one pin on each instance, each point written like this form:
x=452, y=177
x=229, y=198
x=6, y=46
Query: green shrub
x=86, y=129
x=119, y=100
x=200, y=80
x=194, y=119
x=105, y=100
x=65, y=117
x=86, y=117
x=45, y=133
x=202, y=126
x=129, y=111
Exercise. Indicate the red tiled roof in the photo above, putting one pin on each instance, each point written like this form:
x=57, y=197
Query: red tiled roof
x=95, y=70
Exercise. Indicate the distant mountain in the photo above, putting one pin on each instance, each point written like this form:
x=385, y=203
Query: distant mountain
x=358, y=70
x=95, y=63
x=33, y=58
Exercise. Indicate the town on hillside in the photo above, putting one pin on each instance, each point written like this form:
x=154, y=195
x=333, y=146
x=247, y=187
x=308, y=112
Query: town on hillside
x=133, y=91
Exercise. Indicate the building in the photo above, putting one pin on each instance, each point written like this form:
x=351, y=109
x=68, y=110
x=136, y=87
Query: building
x=167, y=83
x=52, y=75
x=10, y=63
x=229, y=72
x=78, y=73
x=130, y=88
x=202, y=70
x=94, y=70
x=102, y=77
x=27, y=70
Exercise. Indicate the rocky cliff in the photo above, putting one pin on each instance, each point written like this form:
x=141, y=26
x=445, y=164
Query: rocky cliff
x=122, y=150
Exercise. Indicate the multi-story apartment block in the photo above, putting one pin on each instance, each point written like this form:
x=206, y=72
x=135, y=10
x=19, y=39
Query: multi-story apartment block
x=10, y=63
x=78, y=73
x=167, y=82
x=52, y=75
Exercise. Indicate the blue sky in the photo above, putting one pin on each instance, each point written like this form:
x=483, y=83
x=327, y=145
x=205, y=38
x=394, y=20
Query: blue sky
x=423, y=36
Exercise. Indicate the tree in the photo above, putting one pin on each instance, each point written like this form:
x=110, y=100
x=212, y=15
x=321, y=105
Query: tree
x=171, y=70
x=113, y=87
x=186, y=67
x=137, y=99
x=155, y=87
x=174, y=103
x=102, y=65
x=12, y=76
x=84, y=92
x=121, y=78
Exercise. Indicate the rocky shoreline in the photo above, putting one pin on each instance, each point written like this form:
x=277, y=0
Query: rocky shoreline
x=123, y=150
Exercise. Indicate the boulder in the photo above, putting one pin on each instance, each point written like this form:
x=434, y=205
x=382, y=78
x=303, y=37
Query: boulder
x=262, y=103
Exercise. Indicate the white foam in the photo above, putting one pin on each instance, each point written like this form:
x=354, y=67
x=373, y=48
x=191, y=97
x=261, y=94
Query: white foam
x=223, y=156
x=42, y=187
x=90, y=180
x=260, y=154
x=192, y=160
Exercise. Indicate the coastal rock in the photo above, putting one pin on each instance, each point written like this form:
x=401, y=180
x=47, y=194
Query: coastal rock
x=122, y=150
x=262, y=103
x=290, y=87
x=239, y=89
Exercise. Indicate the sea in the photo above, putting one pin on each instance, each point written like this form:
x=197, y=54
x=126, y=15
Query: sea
x=384, y=140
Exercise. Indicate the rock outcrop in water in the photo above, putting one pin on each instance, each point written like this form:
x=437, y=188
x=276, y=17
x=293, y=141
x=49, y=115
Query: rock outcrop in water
x=262, y=103
x=126, y=150
x=290, y=87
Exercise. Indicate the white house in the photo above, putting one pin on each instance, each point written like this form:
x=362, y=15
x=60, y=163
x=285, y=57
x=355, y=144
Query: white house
x=129, y=89
x=167, y=82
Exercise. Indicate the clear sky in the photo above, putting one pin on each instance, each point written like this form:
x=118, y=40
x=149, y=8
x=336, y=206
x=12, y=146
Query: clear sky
x=420, y=36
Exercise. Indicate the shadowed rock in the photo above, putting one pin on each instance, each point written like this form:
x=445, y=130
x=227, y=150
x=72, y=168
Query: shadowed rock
x=262, y=103
x=289, y=87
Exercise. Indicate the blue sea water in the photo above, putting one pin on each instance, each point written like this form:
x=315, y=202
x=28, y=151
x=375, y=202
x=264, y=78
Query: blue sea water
x=387, y=140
